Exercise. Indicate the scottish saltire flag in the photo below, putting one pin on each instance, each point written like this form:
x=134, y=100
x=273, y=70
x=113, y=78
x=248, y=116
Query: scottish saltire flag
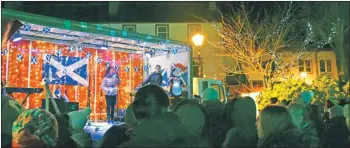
x=64, y=70
x=58, y=94
x=165, y=77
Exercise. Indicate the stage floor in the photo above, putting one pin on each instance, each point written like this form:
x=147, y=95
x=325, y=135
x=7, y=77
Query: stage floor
x=98, y=129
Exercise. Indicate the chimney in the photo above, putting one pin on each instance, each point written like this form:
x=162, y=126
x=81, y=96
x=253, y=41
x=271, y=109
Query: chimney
x=113, y=8
x=212, y=6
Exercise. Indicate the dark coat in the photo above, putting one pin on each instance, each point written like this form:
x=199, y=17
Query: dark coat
x=309, y=136
x=217, y=128
x=244, y=132
x=336, y=134
x=288, y=139
x=154, y=79
x=163, y=131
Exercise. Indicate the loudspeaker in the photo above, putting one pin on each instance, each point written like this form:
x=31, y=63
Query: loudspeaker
x=60, y=104
x=72, y=106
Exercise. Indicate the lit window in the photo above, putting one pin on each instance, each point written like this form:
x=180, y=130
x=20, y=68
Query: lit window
x=325, y=66
x=305, y=66
x=129, y=28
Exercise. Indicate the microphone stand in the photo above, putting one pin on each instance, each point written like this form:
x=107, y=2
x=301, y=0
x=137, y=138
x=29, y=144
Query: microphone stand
x=88, y=105
x=101, y=105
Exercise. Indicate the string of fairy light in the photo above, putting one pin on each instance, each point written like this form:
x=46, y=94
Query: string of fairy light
x=234, y=35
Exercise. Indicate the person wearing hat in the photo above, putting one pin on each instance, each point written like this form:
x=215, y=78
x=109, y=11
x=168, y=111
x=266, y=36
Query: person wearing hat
x=11, y=110
x=35, y=128
x=217, y=131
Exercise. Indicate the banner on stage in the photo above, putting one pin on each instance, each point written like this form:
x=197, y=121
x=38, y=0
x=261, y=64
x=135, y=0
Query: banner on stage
x=65, y=70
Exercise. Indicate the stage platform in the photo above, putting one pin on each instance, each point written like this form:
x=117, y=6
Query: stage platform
x=98, y=129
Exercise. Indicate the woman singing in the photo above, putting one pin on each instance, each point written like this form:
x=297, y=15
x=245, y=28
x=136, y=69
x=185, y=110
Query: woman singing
x=109, y=83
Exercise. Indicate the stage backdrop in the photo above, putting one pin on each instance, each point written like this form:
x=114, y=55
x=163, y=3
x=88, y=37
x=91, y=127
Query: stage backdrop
x=73, y=71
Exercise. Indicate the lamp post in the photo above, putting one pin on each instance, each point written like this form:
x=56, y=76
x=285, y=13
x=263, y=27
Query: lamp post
x=303, y=75
x=198, y=41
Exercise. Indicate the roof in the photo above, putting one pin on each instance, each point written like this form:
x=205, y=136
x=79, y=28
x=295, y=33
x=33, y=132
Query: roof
x=38, y=27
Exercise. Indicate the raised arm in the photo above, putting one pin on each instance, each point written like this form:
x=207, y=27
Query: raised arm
x=147, y=80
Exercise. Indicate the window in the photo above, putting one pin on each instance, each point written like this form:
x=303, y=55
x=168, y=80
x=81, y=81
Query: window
x=220, y=90
x=192, y=30
x=305, y=66
x=129, y=28
x=162, y=31
x=325, y=66
x=257, y=83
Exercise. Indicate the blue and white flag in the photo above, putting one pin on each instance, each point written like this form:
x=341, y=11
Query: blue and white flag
x=59, y=95
x=165, y=77
x=65, y=70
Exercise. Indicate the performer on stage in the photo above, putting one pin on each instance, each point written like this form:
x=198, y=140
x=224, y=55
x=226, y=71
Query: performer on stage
x=109, y=86
x=155, y=78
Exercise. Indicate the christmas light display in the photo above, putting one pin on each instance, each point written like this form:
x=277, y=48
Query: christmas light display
x=25, y=69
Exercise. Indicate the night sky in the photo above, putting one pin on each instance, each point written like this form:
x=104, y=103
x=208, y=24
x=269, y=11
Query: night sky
x=90, y=11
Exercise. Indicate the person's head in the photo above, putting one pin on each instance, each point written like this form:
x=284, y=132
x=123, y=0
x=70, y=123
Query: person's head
x=305, y=97
x=158, y=68
x=273, y=100
x=150, y=101
x=273, y=120
x=240, y=112
x=297, y=112
x=35, y=128
x=336, y=111
x=110, y=71
x=328, y=105
x=11, y=110
x=210, y=94
x=78, y=119
x=193, y=116
x=130, y=117
x=284, y=102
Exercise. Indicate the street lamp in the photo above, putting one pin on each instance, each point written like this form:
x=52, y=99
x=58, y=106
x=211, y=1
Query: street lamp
x=303, y=75
x=198, y=41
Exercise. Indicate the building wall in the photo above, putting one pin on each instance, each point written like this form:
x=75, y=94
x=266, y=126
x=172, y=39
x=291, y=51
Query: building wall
x=180, y=32
x=314, y=58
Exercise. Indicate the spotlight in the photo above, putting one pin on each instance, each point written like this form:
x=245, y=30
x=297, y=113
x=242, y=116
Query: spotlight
x=12, y=27
x=104, y=46
x=16, y=37
x=148, y=55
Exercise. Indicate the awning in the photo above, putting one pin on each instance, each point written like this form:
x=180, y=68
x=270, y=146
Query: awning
x=38, y=27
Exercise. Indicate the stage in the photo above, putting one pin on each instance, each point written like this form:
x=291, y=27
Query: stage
x=98, y=129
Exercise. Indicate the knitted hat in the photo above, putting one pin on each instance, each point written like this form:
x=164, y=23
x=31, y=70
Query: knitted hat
x=336, y=111
x=79, y=118
x=38, y=123
x=210, y=94
x=306, y=96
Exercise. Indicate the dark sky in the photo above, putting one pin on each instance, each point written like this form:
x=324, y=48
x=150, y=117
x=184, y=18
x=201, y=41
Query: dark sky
x=90, y=11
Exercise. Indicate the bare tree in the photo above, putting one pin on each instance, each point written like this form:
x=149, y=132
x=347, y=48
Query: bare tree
x=258, y=41
x=330, y=24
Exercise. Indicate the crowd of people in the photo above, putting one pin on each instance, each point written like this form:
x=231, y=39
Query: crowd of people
x=153, y=121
